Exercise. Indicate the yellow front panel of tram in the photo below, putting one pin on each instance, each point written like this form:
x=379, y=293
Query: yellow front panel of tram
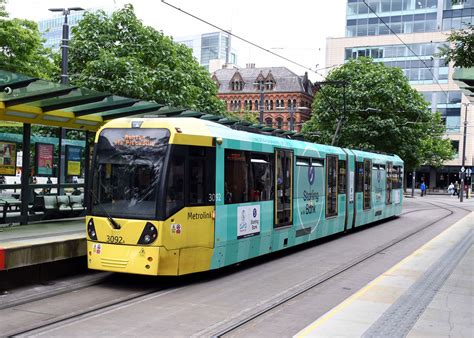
x=184, y=244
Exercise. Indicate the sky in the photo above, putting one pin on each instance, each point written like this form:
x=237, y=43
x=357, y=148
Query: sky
x=295, y=29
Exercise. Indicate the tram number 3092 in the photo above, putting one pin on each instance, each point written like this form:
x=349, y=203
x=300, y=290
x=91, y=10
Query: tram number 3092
x=115, y=239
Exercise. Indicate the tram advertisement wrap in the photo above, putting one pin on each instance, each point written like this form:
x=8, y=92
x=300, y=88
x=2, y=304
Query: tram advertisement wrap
x=7, y=158
x=248, y=221
x=73, y=155
x=44, y=159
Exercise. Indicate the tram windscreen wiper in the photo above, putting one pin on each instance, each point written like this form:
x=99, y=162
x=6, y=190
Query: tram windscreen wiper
x=113, y=222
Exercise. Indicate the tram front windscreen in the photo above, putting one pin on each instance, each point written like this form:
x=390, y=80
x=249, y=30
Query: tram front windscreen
x=127, y=172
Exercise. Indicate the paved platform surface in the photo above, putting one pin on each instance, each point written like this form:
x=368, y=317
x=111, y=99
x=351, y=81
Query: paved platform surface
x=429, y=293
x=39, y=243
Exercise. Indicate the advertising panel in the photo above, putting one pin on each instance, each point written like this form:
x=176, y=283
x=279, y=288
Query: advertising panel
x=248, y=221
x=44, y=159
x=73, y=159
x=7, y=158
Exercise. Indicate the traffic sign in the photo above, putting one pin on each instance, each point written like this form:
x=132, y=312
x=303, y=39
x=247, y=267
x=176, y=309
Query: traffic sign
x=468, y=172
x=462, y=169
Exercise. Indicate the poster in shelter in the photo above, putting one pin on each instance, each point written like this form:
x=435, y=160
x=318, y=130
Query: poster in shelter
x=44, y=159
x=7, y=158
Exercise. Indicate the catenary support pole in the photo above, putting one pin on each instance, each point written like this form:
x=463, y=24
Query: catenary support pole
x=463, y=173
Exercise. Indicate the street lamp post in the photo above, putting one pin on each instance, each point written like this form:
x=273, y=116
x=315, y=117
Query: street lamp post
x=64, y=80
x=463, y=171
x=65, y=41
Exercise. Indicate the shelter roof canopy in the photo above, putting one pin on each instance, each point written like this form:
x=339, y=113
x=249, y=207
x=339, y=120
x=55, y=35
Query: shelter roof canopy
x=31, y=100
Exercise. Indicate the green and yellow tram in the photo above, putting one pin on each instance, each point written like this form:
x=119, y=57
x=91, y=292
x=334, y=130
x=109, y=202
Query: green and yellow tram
x=173, y=196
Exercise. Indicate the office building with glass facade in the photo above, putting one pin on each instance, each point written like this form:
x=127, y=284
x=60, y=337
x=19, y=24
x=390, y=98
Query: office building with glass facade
x=210, y=46
x=424, y=26
x=52, y=29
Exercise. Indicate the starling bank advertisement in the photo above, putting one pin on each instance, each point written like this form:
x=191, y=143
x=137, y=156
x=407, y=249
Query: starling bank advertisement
x=248, y=221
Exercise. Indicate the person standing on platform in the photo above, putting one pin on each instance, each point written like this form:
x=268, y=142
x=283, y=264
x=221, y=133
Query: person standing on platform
x=423, y=188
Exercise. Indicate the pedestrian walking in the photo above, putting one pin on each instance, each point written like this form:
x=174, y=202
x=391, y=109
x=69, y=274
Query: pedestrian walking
x=456, y=189
x=451, y=189
x=423, y=188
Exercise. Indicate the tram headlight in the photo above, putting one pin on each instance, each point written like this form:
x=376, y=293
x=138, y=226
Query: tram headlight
x=91, y=230
x=149, y=234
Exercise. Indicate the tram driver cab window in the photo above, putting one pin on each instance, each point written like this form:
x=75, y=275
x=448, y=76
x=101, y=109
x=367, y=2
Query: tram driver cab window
x=190, y=178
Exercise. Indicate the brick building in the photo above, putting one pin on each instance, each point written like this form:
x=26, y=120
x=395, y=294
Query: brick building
x=284, y=93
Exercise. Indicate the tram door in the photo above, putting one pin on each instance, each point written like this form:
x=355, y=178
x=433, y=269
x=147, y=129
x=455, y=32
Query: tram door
x=388, y=182
x=283, y=187
x=350, y=190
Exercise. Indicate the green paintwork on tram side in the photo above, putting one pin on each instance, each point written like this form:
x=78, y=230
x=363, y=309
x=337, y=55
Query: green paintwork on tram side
x=309, y=217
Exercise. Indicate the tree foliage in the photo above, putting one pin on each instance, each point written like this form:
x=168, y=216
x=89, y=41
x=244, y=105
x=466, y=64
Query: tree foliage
x=118, y=53
x=461, y=51
x=21, y=47
x=382, y=113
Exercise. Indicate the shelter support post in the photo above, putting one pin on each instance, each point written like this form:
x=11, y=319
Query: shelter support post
x=25, y=174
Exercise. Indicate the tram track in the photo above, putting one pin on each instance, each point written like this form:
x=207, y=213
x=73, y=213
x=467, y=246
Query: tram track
x=102, y=308
x=244, y=317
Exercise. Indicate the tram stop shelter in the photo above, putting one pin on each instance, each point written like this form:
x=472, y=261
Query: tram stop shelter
x=28, y=100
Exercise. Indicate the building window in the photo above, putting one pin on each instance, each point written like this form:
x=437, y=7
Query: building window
x=269, y=121
x=279, y=123
x=455, y=145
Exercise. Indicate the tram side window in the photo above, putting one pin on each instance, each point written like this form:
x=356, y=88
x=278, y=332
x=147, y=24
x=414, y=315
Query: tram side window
x=342, y=177
x=303, y=161
x=261, y=177
x=367, y=184
x=201, y=172
x=359, y=176
x=331, y=186
x=397, y=177
x=236, y=176
x=317, y=162
x=175, y=186
x=248, y=176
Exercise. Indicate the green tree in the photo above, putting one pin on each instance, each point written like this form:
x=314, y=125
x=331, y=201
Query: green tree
x=461, y=50
x=383, y=113
x=246, y=115
x=21, y=47
x=118, y=53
